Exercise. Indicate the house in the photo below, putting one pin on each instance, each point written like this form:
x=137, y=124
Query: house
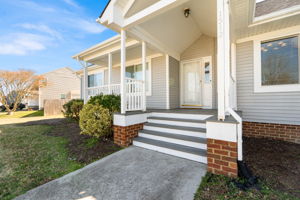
x=194, y=76
x=62, y=83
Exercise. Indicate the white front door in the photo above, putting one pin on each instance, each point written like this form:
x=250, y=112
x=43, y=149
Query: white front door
x=196, y=83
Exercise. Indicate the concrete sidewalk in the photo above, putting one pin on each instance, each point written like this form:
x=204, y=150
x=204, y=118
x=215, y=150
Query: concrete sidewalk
x=130, y=174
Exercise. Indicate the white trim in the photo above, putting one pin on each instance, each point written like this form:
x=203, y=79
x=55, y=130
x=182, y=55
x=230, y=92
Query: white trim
x=258, y=88
x=109, y=71
x=167, y=82
x=180, y=115
x=127, y=7
x=273, y=16
x=144, y=65
x=178, y=123
x=128, y=120
x=221, y=131
x=272, y=35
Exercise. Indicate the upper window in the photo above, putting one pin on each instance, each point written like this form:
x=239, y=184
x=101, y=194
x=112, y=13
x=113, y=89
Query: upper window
x=277, y=65
x=135, y=72
x=95, y=80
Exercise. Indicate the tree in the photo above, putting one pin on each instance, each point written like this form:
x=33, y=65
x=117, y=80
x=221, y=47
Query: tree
x=15, y=86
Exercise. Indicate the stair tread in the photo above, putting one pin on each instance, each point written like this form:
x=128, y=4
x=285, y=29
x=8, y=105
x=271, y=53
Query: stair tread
x=184, y=128
x=175, y=136
x=172, y=146
x=178, y=119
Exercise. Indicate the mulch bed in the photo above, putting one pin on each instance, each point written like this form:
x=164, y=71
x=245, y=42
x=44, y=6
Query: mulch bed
x=78, y=145
x=276, y=162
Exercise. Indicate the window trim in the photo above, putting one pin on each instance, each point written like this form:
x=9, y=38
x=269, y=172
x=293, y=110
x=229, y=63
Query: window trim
x=148, y=93
x=258, y=87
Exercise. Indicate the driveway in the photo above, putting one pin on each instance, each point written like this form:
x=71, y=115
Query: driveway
x=130, y=174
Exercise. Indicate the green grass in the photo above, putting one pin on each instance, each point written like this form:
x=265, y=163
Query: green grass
x=29, y=158
x=220, y=188
x=22, y=114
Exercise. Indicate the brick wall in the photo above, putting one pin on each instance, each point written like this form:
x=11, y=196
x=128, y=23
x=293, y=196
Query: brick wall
x=222, y=157
x=290, y=133
x=123, y=135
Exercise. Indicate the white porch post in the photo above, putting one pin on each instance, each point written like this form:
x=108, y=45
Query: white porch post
x=144, y=64
x=223, y=56
x=123, y=71
x=85, y=83
x=109, y=73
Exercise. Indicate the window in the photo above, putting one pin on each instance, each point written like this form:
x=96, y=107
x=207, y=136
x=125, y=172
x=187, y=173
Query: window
x=95, y=80
x=277, y=65
x=62, y=96
x=135, y=72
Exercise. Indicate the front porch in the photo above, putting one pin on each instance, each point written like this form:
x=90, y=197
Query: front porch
x=183, y=64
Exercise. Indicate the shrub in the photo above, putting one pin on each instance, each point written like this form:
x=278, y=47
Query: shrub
x=111, y=102
x=72, y=109
x=95, y=120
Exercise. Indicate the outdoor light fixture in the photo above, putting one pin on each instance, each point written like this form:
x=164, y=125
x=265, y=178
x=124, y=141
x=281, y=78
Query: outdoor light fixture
x=187, y=12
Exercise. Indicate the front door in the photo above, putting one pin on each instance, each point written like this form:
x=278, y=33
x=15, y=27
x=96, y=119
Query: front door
x=196, y=83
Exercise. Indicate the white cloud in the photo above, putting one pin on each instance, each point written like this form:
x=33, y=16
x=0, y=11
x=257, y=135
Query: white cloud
x=42, y=28
x=22, y=43
x=34, y=6
x=72, y=3
x=86, y=25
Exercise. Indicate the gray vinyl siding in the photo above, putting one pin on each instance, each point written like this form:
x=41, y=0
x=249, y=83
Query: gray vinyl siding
x=174, y=94
x=280, y=107
x=158, y=98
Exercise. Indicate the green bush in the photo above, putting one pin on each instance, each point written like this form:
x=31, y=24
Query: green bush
x=95, y=120
x=72, y=109
x=111, y=102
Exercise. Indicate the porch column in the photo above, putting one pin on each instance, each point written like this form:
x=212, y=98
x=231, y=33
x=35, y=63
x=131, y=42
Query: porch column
x=85, y=83
x=144, y=64
x=223, y=56
x=123, y=72
x=109, y=73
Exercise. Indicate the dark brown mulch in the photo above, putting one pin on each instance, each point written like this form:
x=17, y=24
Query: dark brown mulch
x=82, y=148
x=276, y=162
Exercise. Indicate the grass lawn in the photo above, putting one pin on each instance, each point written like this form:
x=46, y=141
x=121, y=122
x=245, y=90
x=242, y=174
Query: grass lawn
x=219, y=187
x=22, y=114
x=33, y=154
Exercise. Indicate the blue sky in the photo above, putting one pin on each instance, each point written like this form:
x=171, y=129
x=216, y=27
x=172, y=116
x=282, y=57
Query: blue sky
x=43, y=35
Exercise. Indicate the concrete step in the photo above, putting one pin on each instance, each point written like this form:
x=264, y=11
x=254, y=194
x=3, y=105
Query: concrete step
x=186, y=152
x=178, y=122
x=180, y=115
x=190, y=141
x=181, y=130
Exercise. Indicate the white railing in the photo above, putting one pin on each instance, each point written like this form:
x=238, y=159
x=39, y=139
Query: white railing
x=134, y=94
x=104, y=89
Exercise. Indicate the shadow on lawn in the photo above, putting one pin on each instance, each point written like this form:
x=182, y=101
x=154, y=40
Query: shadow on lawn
x=37, y=113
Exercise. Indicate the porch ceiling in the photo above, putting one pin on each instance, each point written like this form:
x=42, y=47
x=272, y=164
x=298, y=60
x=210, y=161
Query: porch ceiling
x=175, y=31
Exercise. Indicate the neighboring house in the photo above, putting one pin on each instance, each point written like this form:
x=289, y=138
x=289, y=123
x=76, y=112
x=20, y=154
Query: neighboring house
x=32, y=101
x=224, y=56
x=62, y=83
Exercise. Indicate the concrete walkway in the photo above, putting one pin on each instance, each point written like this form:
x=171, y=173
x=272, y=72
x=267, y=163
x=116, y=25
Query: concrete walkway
x=130, y=174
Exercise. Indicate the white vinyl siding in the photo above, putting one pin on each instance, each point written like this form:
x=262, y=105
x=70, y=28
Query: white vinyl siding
x=158, y=98
x=174, y=95
x=60, y=81
x=277, y=107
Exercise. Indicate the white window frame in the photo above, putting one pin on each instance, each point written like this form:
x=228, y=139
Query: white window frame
x=138, y=62
x=258, y=87
x=98, y=72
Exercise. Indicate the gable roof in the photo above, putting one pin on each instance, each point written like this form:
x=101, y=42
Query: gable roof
x=268, y=6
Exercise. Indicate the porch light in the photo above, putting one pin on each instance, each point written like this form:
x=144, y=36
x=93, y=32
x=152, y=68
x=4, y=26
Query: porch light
x=187, y=12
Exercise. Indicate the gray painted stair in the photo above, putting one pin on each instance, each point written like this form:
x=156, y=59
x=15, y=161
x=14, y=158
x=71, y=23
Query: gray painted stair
x=175, y=135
